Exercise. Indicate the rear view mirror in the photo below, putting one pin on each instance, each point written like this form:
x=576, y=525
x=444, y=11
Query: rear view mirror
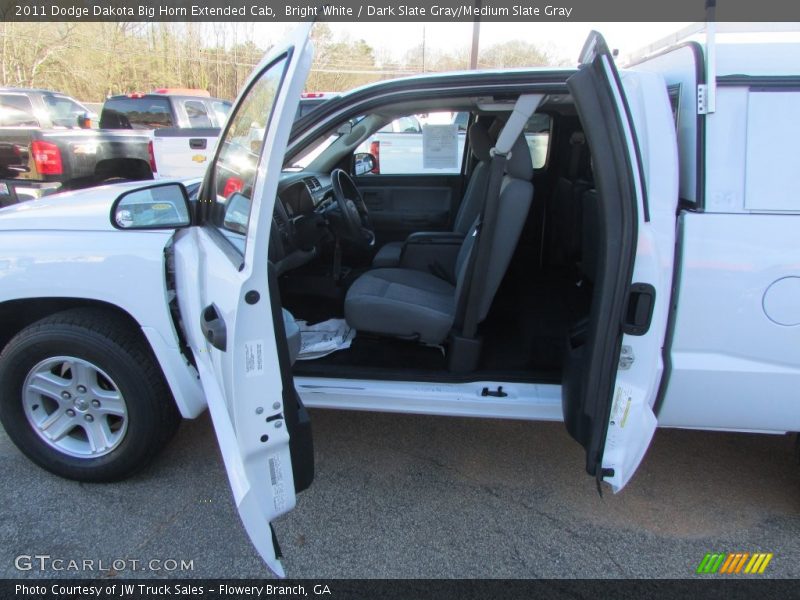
x=164, y=206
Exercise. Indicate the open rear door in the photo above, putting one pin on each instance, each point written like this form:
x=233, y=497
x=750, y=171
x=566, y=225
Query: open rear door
x=614, y=365
x=229, y=303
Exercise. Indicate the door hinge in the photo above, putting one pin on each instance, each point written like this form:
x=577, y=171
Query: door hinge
x=626, y=358
x=702, y=99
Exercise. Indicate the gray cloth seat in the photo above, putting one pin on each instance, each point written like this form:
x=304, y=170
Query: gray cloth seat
x=480, y=142
x=403, y=303
x=415, y=304
x=388, y=255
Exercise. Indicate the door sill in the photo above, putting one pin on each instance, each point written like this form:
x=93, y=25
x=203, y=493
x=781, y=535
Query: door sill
x=528, y=401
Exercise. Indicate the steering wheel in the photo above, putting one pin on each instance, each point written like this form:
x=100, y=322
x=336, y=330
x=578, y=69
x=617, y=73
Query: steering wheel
x=355, y=218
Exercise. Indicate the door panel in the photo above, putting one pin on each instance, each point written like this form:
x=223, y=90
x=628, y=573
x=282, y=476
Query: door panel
x=402, y=204
x=228, y=299
x=614, y=366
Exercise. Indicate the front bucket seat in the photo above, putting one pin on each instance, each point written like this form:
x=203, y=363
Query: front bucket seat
x=413, y=304
x=480, y=143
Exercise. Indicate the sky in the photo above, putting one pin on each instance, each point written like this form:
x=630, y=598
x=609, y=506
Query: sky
x=562, y=40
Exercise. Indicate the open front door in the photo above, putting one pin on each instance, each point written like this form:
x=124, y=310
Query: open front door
x=229, y=304
x=614, y=367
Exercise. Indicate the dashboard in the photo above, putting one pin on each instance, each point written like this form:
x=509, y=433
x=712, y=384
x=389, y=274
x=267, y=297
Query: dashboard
x=296, y=217
x=301, y=197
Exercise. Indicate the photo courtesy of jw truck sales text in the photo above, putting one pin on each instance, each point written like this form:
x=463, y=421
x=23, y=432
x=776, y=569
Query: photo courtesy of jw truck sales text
x=611, y=246
x=139, y=590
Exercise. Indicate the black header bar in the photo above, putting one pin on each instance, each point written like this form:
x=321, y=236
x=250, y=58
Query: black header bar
x=710, y=588
x=394, y=10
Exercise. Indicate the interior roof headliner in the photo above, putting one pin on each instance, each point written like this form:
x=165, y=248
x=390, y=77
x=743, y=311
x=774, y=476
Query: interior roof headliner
x=551, y=103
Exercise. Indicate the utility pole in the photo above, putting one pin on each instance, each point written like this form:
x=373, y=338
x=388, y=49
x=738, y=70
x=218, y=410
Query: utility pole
x=476, y=34
x=423, y=48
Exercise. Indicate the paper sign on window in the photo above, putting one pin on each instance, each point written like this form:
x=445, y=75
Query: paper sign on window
x=440, y=146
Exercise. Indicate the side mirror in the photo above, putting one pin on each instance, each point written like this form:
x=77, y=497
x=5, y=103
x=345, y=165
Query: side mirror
x=84, y=121
x=363, y=163
x=237, y=213
x=164, y=206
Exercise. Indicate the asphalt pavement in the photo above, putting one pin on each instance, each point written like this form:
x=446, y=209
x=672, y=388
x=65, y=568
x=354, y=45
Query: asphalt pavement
x=419, y=496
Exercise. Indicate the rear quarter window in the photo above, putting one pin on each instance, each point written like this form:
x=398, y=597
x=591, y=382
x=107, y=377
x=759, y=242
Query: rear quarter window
x=197, y=114
x=221, y=110
x=16, y=111
x=136, y=113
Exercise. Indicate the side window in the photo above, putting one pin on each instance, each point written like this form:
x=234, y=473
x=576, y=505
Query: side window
x=771, y=158
x=64, y=112
x=408, y=125
x=221, y=110
x=419, y=144
x=16, y=111
x=197, y=114
x=236, y=166
x=306, y=106
x=537, y=134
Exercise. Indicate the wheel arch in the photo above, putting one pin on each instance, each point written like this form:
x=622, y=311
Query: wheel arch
x=17, y=314
x=134, y=169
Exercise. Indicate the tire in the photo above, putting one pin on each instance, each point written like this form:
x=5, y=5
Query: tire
x=104, y=430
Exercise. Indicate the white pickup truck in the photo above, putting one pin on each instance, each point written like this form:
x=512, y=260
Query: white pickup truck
x=397, y=147
x=184, y=125
x=124, y=308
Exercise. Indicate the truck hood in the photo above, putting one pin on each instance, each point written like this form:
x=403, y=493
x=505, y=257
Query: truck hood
x=79, y=210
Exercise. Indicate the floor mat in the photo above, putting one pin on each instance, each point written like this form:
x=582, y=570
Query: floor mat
x=524, y=338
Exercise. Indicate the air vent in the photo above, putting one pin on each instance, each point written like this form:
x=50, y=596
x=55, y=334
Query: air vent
x=312, y=183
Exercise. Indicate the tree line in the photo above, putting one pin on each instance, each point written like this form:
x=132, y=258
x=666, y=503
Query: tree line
x=91, y=61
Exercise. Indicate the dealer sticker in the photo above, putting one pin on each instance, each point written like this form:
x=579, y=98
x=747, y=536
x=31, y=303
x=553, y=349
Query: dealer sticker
x=623, y=397
x=276, y=479
x=254, y=358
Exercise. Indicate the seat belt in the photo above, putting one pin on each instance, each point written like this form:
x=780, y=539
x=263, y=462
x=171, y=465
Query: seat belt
x=576, y=141
x=478, y=262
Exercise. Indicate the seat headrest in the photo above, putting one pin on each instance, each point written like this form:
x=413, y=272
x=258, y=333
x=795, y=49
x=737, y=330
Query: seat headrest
x=480, y=142
x=496, y=127
x=519, y=164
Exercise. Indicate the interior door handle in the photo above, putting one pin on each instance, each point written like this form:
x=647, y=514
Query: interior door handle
x=213, y=327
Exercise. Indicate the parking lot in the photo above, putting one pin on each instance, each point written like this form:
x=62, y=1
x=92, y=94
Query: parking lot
x=412, y=496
